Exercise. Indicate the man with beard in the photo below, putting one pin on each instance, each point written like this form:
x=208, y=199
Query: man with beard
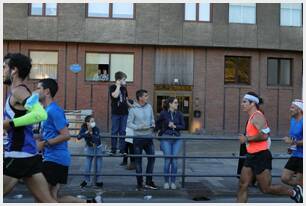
x=294, y=166
x=22, y=110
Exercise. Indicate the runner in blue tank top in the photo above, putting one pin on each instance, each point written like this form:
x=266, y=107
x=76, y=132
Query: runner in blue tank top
x=22, y=109
x=294, y=166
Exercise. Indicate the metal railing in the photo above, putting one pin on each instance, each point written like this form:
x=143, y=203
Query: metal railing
x=183, y=157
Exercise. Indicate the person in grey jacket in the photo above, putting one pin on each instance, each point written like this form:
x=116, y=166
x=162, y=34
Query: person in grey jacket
x=141, y=120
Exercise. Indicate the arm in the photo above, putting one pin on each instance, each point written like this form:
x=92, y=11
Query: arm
x=290, y=141
x=83, y=133
x=259, y=122
x=130, y=120
x=115, y=94
x=152, y=118
x=35, y=112
x=181, y=124
x=62, y=137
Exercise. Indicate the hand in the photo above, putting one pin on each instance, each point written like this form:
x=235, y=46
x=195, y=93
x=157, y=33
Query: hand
x=153, y=125
x=242, y=139
x=40, y=145
x=287, y=140
x=170, y=124
x=6, y=124
x=118, y=83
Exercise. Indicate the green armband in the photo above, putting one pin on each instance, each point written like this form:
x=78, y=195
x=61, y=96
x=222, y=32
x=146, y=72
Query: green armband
x=34, y=115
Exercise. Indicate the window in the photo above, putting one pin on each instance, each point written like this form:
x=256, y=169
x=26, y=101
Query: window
x=113, y=10
x=291, y=15
x=98, y=10
x=49, y=9
x=197, y=12
x=279, y=72
x=237, y=70
x=242, y=13
x=103, y=66
x=44, y=64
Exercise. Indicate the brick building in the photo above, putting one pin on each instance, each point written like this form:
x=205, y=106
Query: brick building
x=208, y=55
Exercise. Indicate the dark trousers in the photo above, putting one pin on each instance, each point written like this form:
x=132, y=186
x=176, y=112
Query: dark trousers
x=129, y=149
x=148, y=146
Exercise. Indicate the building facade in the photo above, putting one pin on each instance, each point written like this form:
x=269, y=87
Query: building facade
x=208, y=56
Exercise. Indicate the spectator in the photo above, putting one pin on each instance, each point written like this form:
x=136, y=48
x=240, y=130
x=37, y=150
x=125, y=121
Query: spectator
x=91, y=133
x=119, y=108
x=170, y=123
x=141, y=120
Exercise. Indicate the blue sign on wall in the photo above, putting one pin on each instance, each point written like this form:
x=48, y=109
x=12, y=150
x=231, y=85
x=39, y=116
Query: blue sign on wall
x=75, y=68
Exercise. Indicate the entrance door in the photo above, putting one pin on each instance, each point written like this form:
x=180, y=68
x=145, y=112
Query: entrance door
x=184, y=103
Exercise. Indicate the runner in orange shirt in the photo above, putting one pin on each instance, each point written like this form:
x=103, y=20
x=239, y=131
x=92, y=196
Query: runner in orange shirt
x=259, y=159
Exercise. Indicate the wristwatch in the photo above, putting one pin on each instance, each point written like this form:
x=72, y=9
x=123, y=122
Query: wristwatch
x=46, y=143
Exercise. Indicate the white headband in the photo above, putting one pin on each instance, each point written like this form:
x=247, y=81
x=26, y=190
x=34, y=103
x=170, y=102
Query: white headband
x=298, y=103
x=251, y=98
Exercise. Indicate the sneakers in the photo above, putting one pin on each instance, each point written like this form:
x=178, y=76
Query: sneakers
x=173, y=186
x=83, y=184
x=97, y=199
x=298, y=197
x=99, y=184
x=150, y=185
x=166, y=186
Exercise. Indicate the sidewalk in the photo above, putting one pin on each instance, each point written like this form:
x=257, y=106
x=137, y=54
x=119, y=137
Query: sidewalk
x=207, y=189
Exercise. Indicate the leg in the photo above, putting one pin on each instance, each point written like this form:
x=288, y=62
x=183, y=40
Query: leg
x=149, y=149
x=38, y=186
x=138, y=161
x=8, y=184
x=88, y=163
x=122, y=132
x=165, y=147
x=132, y=152
x=99, y=164
x=299, y=179
x=64, y=199
x=287, y=177
x=245, y=179
x=175, y=147
x=264, y=181
x=115, y=131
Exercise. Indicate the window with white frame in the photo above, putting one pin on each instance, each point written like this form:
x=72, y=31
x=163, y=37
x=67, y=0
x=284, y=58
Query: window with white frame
x=197, y=12
x=124, y=63
x=111, y=10
x=44, y=64
x=103, y=66
x=242, y=13
x=43, y=9
x=291, y=14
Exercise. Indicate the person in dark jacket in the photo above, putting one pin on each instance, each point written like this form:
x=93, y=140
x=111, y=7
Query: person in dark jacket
x=91, y=133
x=170, y=123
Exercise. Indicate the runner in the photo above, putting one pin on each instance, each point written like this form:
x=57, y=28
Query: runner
x=294, y=166
x=259, y=159
x=22, y=109
x=55, y=134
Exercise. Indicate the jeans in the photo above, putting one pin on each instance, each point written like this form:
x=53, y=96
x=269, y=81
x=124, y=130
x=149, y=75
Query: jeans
x=170, y=147
x=148, y=146
x=129, y=149
x=88, y=162
x=118, y=128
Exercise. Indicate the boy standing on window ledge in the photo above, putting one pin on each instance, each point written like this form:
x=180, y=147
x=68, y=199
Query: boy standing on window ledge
x=119, y=106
